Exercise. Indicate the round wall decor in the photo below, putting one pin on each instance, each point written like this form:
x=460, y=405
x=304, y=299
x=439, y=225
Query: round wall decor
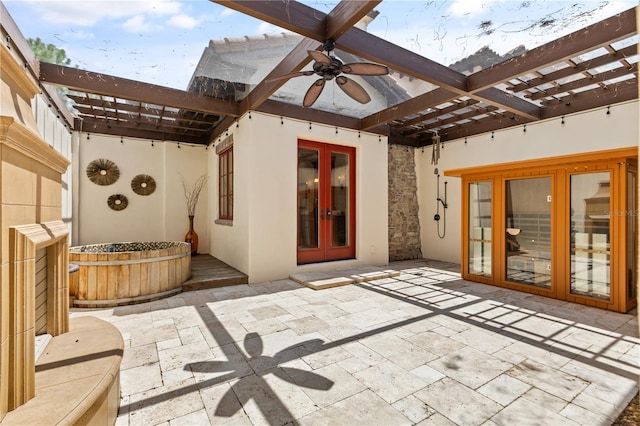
x=103, y=172
x=118, y=202
x=143, y=185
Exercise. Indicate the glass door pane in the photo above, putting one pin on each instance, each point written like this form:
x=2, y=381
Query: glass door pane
x=339, y=199
x=590, y=237
x=528, y=231
x=308, y=183
x=479, y=259
x=224, y=186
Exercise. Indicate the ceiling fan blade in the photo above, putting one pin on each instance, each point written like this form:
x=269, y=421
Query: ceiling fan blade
x=365, y=68
x=290, y=75
x=319, y=57
x=313, y=92
x=353, y=89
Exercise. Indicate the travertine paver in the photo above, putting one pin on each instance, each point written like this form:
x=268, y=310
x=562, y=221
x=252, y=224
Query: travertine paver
x=400, y=351
x=470, y=366
x=312, y=385
x=195, y=418
x=504, y=389
x=483, y=339
x=140, y=379
x=164, y=403
x=424, y=347
x=413, y=408
x=390, y=381
x=544, y=399
x=140, y=355
x=583, y=416
x=458, y=403
x=267, y=399
x=364, y=408
x=550, y=380
x=522, y=411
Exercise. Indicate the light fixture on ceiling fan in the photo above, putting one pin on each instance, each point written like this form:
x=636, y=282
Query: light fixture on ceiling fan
x=328, y=67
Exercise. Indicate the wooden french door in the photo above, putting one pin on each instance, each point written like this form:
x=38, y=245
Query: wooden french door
x=326, y=202
x=563, y=227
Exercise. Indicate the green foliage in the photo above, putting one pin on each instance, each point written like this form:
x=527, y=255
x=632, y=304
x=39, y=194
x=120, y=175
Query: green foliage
x=51, y=54
x=48, y=52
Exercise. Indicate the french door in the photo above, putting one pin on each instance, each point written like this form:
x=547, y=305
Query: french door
x=326, y=202
x=563, y=227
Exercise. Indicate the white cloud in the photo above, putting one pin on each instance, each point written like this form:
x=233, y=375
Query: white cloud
x=470, y=7
x=183, y=21
x=228, y=12
x=266, y=28
x=90, y=12
x=80, y=35
x=447, y=39
x=136, y=24
x=160, y=7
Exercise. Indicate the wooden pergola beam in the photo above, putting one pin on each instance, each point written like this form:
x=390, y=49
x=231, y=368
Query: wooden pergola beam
x=583, y=82
x=294, y=61
x=454, y=119
x=133, y=120
x=436, y=113
x=308, y=114
x=409, y=107
x=620, y=92
x=103, y=84
x=605, y=59
x=338, y=26
x=291, y=15
x=601, y=33
x=119, y=106
x=92, y=125
x=344, y=16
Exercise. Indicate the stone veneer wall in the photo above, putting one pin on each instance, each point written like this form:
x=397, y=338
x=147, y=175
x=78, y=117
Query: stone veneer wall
x=404, y=221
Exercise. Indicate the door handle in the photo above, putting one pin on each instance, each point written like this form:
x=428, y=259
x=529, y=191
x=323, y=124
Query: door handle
x=324, y=212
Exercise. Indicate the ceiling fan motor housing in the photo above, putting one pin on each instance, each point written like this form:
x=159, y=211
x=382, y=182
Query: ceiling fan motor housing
x=328, y=71
x=329, y=45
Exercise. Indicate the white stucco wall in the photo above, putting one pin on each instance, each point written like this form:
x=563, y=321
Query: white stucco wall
x=262, y=240
x=161, y=216
x=582, y=132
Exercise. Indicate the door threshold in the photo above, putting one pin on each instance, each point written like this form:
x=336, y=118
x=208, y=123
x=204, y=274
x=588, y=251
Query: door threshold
x=320, y=280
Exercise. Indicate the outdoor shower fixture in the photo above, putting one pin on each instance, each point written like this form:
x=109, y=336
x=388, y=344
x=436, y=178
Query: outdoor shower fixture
x=439, y=201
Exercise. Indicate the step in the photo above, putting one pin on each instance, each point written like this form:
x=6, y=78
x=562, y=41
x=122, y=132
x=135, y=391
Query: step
x=320, y=280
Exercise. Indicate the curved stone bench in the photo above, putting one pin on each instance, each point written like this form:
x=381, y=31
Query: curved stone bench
x=77, y=378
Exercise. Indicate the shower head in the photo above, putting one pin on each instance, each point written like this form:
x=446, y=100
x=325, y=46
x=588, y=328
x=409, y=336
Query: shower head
x=435, y=171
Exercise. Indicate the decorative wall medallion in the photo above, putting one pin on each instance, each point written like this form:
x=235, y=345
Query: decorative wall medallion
x=118, y=202
x=143, y=185
x=103, y=172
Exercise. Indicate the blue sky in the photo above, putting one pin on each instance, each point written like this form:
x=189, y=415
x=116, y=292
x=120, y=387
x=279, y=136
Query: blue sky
x=160, y=41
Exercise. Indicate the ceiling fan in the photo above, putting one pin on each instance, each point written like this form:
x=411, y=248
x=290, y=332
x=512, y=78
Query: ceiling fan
x=328, y=67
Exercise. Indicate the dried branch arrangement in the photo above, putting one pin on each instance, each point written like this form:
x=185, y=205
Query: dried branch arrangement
x=192, y=195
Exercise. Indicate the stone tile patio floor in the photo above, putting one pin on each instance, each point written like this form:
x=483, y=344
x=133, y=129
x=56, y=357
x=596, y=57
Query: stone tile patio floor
x=424, y=347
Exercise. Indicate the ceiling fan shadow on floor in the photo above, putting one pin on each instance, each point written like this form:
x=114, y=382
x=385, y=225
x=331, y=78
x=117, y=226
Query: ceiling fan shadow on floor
x=328, y=67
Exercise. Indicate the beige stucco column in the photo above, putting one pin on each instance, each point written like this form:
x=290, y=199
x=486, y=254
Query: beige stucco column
x=30, y=219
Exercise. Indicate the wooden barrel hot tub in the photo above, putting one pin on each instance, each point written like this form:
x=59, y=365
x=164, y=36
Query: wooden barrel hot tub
x=117, y=274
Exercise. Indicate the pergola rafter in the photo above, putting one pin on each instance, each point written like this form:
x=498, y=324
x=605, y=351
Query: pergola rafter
x=544, y=82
